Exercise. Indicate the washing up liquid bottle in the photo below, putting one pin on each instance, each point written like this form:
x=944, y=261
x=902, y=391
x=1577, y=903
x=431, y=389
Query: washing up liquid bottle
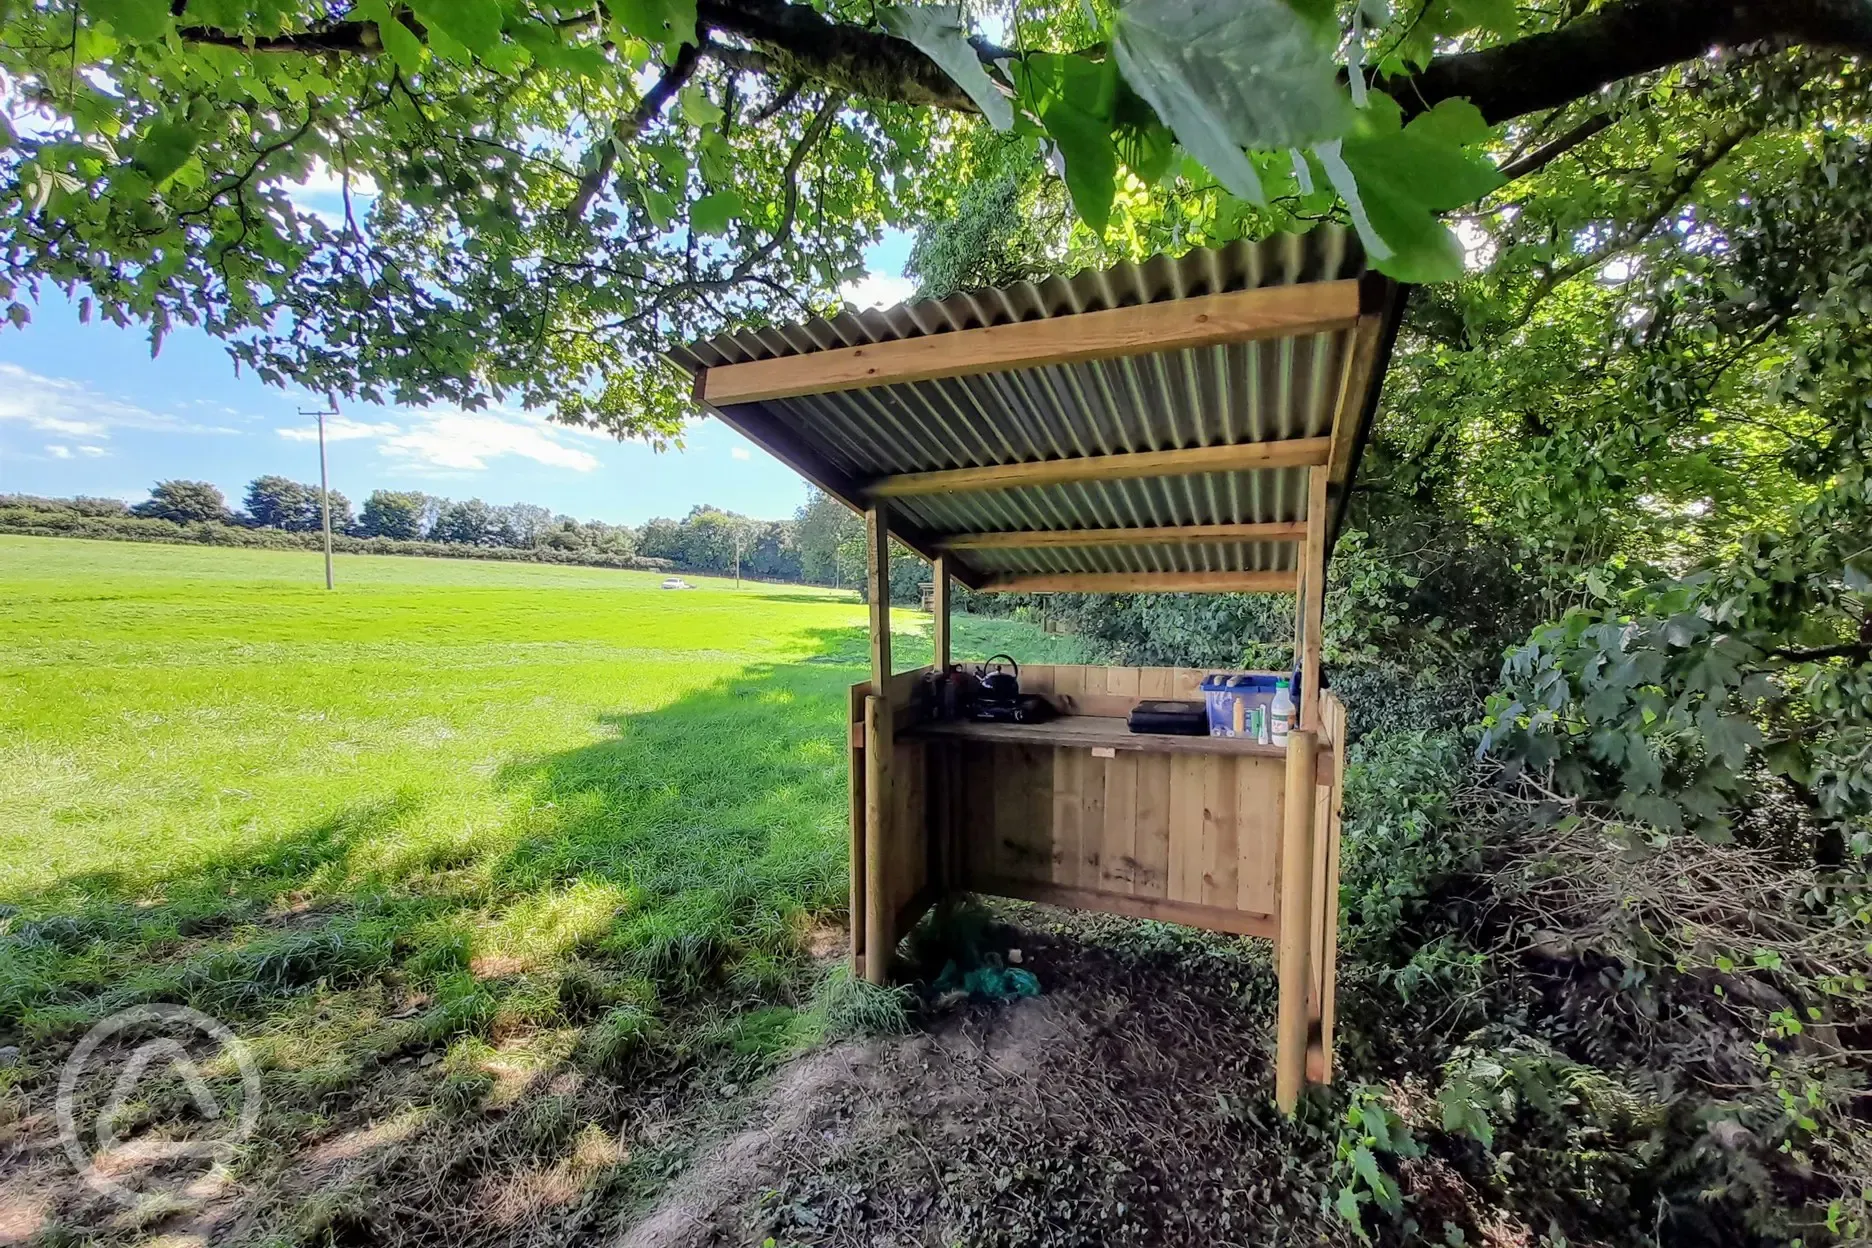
x=1280, y=715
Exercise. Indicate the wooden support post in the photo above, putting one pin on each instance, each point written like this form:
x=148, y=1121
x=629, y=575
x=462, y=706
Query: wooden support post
x=880, y=940
x=1294, y=943
x=1312, y=604
x=877, y=586
x=939, y=615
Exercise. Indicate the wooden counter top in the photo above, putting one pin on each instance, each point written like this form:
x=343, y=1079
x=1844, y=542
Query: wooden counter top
x=1087, y=731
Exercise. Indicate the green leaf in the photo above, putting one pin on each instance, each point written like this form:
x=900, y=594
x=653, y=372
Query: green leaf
x=712, y=213
x=1146, y=150
x=661, y=207
x=697, y=108
x=139, y=21
x=1455, y=122
x=164, y=148
x=1225, y=77
x=667, y=22
x=1404, y=178
x=1495, y=16
x=1085, y=144
x=475, y=24
x=937, y=32
x=398, y=40
x=1074, y=98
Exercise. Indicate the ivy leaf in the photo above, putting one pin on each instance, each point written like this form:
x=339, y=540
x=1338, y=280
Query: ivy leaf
x=139, y=21
x=712, y=213
x=1226, y=77
x=164, y=148
x=474, y=24
x=937, y=32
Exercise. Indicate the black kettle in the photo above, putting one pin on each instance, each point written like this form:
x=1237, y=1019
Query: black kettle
x=998, y=685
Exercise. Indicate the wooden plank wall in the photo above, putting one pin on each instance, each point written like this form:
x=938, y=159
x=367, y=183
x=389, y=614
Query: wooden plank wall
x=908, y=887
x=1188, y=838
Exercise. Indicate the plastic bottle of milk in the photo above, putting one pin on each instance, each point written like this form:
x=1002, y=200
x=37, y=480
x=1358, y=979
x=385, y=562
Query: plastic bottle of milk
x=1280, y=714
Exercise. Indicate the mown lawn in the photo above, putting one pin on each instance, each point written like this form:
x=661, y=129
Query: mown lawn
x=474, y=818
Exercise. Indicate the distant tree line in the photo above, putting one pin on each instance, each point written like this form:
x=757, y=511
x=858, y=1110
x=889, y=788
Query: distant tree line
x=823, y=543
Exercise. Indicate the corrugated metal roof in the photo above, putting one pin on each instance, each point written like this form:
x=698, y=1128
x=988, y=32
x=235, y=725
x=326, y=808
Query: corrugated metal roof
x=1256, y=391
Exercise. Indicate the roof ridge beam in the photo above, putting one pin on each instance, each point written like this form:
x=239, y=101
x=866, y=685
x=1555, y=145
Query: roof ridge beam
x=1168, y=325
x=1235, y=457
x=1162, y=535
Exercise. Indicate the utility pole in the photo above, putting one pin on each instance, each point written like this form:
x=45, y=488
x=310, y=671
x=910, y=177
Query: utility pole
x=324, y=485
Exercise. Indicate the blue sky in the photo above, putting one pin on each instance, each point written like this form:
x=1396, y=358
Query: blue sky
x=85, y=410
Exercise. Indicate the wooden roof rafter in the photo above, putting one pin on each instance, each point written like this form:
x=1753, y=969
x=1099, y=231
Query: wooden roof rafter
x=1149, y=409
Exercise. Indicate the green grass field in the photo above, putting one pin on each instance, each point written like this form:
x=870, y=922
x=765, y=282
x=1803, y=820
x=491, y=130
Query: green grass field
x=453, y=807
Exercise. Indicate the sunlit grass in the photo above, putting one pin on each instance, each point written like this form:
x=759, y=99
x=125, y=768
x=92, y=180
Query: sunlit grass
x=515, y=797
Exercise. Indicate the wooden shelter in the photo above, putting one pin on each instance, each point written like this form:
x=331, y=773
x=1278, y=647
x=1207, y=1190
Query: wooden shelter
x=1188, y=424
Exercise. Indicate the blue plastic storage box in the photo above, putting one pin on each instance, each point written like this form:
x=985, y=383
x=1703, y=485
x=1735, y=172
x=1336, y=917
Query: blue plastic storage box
x=1222, y=690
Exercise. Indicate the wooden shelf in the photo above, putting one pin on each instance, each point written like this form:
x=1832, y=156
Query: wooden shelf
x=1088, y=731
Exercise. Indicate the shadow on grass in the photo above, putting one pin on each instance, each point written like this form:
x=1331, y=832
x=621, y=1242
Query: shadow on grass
x=693, y=842
x=691, y=846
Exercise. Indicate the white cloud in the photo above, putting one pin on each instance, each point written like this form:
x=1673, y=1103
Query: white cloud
x=58, y=452
x=338, y=429
x=877, y=290
x=75, y=409
x=92, y=451
x=465, y=442
x=740, y=452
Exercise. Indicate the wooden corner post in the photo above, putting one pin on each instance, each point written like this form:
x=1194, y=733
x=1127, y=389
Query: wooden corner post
x=880, y=735
x=1294, y=943
x=1311, y=608
x=939, y=614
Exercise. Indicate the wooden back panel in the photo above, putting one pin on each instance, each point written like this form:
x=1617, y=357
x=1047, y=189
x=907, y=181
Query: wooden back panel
x=1187, y=838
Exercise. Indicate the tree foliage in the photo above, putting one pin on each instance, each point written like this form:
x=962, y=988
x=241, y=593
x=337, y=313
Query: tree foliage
x=536, y=197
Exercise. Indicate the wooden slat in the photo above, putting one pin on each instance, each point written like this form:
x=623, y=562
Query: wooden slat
x=1151, y=875
x=1141, y=583
x=1210, y=918
x=1296, y=928
x=1163, y=535
x=1154, y=682
x=1260, y=805
x=1243, y=456
x=1367, y=341
x=1116, y=804
x=1221, y=820
x=855, y=785
x=880, y=938
x=1313, y=601
x=939, y=611
x=1326, y=949
x=1087, y=731
x=1186, y=828
x=877, y=588
x=1238, y=316
x=1068, y=795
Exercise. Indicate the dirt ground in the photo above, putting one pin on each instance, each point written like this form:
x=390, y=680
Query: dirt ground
x=1128, y=1104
